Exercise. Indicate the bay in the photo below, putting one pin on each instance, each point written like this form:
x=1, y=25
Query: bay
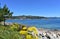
x=39, y=23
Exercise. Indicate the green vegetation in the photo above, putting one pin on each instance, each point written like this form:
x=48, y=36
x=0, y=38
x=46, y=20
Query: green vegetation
x=7, y=33
x=18, y=31
x=5, y=13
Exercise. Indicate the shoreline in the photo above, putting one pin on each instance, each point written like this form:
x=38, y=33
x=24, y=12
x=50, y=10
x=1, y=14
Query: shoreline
x=43, y=29
x=49, y=34
x=44, y=33
x=9, y=23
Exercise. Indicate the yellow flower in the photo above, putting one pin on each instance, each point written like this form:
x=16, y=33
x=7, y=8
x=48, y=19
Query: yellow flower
x=29, y=37
x=36, y=37
x=24, y=27
x=23, y=32
x=34, y=29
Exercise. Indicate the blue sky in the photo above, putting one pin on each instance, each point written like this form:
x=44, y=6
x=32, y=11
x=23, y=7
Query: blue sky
x=47, y=8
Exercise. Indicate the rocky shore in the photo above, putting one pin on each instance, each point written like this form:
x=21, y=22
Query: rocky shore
x=48, y=34
x=6, y=23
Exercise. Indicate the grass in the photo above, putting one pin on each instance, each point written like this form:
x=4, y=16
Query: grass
x=17, y=31
x=7, y=33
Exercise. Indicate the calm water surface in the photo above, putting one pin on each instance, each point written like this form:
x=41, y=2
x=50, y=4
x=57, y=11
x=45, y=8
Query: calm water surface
x=39, y=23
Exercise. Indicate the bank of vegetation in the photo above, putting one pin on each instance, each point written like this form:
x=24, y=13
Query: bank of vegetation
x=28, y=17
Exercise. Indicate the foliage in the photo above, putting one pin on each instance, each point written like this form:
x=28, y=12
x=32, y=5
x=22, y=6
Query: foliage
x=5, y=12
x=11, y=32
x=29, y=33
x=14, y=26
x=7, y=33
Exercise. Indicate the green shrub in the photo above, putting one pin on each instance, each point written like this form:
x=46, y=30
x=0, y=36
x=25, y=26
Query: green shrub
x=14, y=27
x=5, y=34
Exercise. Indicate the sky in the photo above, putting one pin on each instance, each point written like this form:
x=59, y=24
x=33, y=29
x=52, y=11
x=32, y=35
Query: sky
x=47, y=8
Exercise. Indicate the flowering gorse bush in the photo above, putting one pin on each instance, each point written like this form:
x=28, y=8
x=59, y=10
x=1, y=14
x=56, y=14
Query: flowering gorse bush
x=11, y=32
x=29, y=33
x=14, y=26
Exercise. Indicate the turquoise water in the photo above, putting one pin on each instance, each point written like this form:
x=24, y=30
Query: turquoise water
x=39, y=23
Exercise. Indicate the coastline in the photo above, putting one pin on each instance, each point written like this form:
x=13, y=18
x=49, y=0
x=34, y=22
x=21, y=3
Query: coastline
x=49, y=34
x=44, y=33
x=50, y=29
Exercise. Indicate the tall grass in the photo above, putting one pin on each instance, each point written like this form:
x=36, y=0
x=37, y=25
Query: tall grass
x=7, y=33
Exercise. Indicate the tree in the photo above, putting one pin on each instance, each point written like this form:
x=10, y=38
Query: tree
x=5, y=13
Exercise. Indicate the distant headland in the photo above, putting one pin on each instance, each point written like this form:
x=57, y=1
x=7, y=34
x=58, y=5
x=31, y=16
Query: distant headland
x=32, y=17
x=27, y=17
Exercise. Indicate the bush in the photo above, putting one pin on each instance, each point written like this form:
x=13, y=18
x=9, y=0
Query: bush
x=14, y=27
x=5, y=34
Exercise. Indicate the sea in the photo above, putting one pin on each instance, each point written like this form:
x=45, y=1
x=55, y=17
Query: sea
x=39, y=23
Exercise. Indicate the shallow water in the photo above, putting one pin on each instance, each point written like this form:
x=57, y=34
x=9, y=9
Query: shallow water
x=39, y=23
